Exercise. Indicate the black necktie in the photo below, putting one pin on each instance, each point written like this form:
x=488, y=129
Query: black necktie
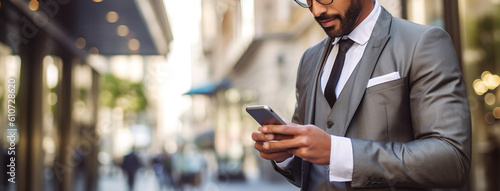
x=344, y=45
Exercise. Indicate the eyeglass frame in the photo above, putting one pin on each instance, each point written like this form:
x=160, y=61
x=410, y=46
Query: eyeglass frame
x=306, y=6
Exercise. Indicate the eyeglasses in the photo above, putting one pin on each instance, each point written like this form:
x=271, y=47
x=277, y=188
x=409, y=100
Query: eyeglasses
x=308, y=3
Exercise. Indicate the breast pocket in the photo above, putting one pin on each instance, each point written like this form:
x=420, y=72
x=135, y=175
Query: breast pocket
x=384, y=113
x=385, y=86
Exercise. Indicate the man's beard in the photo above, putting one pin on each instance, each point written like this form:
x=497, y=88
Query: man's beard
x=347, y=21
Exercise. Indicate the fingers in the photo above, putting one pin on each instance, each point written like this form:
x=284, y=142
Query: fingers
x=277, y=146
x=264, y=147
x=305, y=141
x=271, y=154
x=263, y=137
x=289, y=129
x=279, y=137
x=285, y=144
x=298, y=152
x=278, y=156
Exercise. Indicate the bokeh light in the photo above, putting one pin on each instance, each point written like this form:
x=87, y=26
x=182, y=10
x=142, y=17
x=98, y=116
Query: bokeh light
x=112, y=17
x=496, y=112
x=489, y=118
x=479, y=87
x=490, y=99
x=80, y=43
x=134, y=44
x=122, y=30
x=33, y=5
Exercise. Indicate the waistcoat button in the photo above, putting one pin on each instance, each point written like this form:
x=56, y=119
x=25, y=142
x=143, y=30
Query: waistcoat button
x=329, y=124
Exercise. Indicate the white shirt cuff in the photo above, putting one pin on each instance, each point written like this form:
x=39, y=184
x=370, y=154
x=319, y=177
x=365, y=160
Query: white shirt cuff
x=341, y=159
x=284, y=164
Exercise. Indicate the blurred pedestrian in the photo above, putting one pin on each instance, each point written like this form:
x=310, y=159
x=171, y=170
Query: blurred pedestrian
x=130, y=165
x=162, y=167
x=188, y=164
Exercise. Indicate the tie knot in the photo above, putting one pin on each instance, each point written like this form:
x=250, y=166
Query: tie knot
x=345, y=44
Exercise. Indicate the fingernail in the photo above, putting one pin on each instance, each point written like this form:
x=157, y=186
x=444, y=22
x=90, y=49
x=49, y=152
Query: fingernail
x=264, y=129
x=266, y=145
x=269, y=136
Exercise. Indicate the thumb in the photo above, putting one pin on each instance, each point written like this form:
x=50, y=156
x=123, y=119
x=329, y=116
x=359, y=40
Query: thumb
x=288, y=123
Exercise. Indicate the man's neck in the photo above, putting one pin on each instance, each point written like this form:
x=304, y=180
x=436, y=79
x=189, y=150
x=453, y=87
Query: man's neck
x=368, y=6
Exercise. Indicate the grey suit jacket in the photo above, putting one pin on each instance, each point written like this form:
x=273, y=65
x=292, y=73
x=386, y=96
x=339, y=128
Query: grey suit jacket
x=413, y=132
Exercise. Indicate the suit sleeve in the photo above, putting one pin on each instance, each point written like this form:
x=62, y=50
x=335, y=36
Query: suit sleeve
x=294, y=171
x=439, y=155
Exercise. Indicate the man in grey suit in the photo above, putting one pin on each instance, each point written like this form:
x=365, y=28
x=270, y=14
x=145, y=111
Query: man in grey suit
x=387, y=110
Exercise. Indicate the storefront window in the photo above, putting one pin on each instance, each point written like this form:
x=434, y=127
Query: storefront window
x=9, y=87
x=426, y=12
x=51, y=76
x=480, y=25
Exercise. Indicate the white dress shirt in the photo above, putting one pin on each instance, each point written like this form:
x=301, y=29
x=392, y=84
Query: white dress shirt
x=341, y=157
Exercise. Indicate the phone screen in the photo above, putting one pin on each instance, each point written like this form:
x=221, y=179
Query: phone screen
x=264, y=115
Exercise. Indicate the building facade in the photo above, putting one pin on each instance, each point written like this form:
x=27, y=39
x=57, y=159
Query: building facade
x=44, y=56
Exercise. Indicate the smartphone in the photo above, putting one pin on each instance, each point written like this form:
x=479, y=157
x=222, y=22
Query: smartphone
x=264, y=115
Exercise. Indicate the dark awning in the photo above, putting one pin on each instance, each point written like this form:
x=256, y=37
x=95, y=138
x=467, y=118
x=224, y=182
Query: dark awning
x=106, y=27
x=141, y=17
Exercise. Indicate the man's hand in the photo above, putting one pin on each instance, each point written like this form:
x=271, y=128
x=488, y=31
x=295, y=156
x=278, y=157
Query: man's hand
x=261, y=140
x=305, y=141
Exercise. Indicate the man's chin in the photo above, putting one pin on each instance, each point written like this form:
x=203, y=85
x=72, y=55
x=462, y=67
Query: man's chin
x=333, y=32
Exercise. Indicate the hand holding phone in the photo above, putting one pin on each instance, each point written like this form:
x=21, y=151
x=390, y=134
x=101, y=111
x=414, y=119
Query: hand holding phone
x=264, y=115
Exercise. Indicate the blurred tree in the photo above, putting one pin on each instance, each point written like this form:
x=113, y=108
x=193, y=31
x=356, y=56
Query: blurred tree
x=485, y=36
x=116, y=92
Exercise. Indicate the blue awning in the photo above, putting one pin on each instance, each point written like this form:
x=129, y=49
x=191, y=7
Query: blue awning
x=209, y=88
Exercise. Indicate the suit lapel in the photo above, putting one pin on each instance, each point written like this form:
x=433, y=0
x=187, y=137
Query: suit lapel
x=355, y=88
x=309, y=112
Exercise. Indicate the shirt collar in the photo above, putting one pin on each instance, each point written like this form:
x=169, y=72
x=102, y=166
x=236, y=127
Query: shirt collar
x=361, y=34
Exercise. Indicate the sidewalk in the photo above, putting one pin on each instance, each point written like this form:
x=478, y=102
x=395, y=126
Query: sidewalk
x=259, y=186
x=146, y=180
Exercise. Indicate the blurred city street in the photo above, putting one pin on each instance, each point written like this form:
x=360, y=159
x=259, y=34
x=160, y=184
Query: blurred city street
x=97, y=89
x=146, y=180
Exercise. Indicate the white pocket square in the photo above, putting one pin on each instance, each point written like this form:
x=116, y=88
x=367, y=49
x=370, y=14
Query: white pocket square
x=382, y=79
